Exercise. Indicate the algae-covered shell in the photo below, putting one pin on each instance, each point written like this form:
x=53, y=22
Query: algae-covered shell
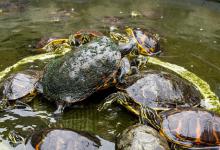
x=77, y=75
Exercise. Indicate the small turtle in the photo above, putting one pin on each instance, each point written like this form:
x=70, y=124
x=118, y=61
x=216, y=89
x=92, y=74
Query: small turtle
x=74, y=77
x=57, y=44
x=141, y=137
x=137, y=44
x=20, y=86
x=52, y=44
x=147, y=43
x=193, y=128
x=156, y=89
x=62, y=139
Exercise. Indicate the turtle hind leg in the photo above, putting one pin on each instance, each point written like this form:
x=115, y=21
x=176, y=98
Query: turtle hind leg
x=60, y=108
x=3, y=104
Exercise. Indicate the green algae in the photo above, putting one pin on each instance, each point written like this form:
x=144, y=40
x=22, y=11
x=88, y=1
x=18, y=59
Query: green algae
x=210, y=99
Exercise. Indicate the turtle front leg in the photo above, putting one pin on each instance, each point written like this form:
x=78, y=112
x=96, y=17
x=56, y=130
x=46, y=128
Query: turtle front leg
x=60, y=108
x=142, y=61
x=3, y=104
x=120, y=98
x=125, y=68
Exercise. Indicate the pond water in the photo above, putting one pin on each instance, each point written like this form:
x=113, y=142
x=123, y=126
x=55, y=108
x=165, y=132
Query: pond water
x=190, y=35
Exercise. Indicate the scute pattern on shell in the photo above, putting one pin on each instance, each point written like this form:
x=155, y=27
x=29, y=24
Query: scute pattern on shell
x=192, y=126
x=20, y=84
x=78, y=74
x=161, y=89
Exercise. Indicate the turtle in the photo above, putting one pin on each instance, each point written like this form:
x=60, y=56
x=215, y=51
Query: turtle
x=193, y=128
x=51, y=44
x=92, y=67
x=60, y=139
x=141, y=137
x=137, y=44
x=158, y=90
x=54, y=44
x=20, y=86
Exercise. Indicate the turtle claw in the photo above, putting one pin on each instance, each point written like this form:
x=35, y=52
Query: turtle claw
x=59, y=110
x=15, y=138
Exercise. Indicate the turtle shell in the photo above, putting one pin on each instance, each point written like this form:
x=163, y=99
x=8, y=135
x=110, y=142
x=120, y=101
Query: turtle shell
x=159, y=90
x=191, y=127
x=21, y=84
x=148, y=44
x=77, y=75
x=141, y=137
x=62, y=139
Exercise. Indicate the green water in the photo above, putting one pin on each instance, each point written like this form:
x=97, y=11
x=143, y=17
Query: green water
x=190, y=35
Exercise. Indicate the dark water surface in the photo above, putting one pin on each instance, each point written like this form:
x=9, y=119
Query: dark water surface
x=189, y=29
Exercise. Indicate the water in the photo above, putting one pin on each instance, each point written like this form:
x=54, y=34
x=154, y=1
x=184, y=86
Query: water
x=190, y=35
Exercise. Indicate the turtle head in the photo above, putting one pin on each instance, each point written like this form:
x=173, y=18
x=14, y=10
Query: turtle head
x=147, y=43
x=150, y=116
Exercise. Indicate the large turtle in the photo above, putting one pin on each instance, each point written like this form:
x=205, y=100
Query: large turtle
x=79, y=74
x=141, y=137
x=20, y=86
x=156, y=89
x=62, y=139
x=193, y=128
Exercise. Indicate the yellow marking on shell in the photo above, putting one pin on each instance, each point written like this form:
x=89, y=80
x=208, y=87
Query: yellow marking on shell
x=210, y=99
x=174, y=141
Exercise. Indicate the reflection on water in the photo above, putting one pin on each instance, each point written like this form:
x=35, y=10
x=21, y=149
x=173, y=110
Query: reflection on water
x=190, y=33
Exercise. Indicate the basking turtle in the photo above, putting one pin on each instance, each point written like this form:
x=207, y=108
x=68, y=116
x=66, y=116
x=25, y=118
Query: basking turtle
x=137, y=44
x=141, y=137
x=20, y=86
x=146, y=43
x=62, y=139
x=186, y=127
x=56, y=44
x=156, y=89
x=79, y=74
x=51, y=44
